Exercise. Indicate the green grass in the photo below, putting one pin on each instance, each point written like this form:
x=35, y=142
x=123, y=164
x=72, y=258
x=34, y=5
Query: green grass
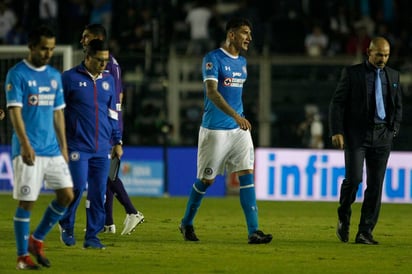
x=304, y=240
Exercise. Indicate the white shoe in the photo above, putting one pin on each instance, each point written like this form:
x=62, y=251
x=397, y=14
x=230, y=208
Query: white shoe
x=131, y=221
x=109, y=229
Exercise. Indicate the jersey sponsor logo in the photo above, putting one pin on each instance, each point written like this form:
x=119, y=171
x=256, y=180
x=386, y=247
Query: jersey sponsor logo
x=33, y=99
x=41, y=99
x=82, y=84
x=209, y=65
x=44, y=89
x=233, y=82
x=25, y=190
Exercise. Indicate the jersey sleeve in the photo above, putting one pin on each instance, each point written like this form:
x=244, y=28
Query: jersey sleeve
x=14, y=92
x=210, y=67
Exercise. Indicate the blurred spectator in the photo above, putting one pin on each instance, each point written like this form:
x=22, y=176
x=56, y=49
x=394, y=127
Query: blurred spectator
x=17, y=35
x=138, y=36
x=339, y=27
x=316, y=42
x=101, y=13
x=198, y=19
x=27, y=11
x=48, y=11
x=358, y=42
x=74, y=16
x=311, y=129
x=7, y=20
x=288, y=31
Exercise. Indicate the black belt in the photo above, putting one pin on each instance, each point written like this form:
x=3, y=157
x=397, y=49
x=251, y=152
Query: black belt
x=378, y=126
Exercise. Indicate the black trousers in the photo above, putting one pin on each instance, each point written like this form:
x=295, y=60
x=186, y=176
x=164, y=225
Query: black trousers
x=374, y=152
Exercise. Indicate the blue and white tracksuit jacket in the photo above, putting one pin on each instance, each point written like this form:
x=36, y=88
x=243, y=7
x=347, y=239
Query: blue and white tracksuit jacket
x=91, y=124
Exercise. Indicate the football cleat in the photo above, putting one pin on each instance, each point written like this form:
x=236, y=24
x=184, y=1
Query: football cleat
x=26, y=263
x=131, y=222
x=36, y=249
x=188, y=233
x=93, y=244
x=67, y=236
x=258, y=237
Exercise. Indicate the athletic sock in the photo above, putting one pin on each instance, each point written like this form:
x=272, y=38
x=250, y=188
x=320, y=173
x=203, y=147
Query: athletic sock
x=248, y=202
x=196, y=195
x=122, y=196
x=22, y=230
x=53, y=214
x=108, y=203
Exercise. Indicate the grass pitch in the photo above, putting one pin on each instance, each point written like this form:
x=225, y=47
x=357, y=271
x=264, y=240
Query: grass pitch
x=304, y=240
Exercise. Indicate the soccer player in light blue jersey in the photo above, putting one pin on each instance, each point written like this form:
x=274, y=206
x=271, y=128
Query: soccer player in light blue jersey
x=225, y=142
x=35, y=102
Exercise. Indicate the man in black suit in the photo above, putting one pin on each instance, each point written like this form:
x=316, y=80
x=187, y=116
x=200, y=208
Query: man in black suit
x=364, y=126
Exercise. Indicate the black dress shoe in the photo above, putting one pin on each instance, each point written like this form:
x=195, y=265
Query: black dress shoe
x=365, y=238
x=342, y=231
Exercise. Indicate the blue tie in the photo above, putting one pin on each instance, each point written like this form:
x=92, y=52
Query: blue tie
x=380, y=107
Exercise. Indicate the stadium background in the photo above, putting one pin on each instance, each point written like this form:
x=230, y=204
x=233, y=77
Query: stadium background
x=162, y=85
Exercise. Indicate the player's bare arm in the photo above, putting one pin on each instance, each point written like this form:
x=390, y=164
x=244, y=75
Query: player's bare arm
x=59, y=126
x=27, y=152
x=214, y=95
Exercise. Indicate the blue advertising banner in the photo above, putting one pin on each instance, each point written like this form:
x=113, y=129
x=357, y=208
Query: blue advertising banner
x=316, y=175
x=142, y=171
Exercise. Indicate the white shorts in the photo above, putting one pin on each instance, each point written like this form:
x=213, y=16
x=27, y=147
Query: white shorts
x=221, y=151
x=28, y=180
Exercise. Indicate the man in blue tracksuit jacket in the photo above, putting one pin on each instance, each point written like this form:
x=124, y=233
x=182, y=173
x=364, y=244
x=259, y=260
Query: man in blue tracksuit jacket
x=91, y=124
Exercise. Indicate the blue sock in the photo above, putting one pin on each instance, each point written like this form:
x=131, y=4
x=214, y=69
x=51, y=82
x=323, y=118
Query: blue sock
x=248, y=202
x=22, y=230
x=195, y=198
x=53, y=214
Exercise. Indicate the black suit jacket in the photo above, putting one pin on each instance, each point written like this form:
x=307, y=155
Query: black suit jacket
x=349, y=107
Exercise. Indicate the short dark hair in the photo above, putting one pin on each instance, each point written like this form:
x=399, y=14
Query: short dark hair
x=96, y=45
x=36, y=33
x=97, y=29
x=237, y=22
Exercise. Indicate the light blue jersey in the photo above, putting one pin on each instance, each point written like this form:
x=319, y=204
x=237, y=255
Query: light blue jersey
x=230, y=73
x=39, y=92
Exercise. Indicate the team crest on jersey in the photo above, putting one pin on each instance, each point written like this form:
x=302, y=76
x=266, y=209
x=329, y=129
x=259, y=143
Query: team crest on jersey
x=25, y=190
x=209, y=65
x=33, y=99
x=105, y=85
x=53, y=84
x=74, y=156
x=9, y=87
x=208, y=171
